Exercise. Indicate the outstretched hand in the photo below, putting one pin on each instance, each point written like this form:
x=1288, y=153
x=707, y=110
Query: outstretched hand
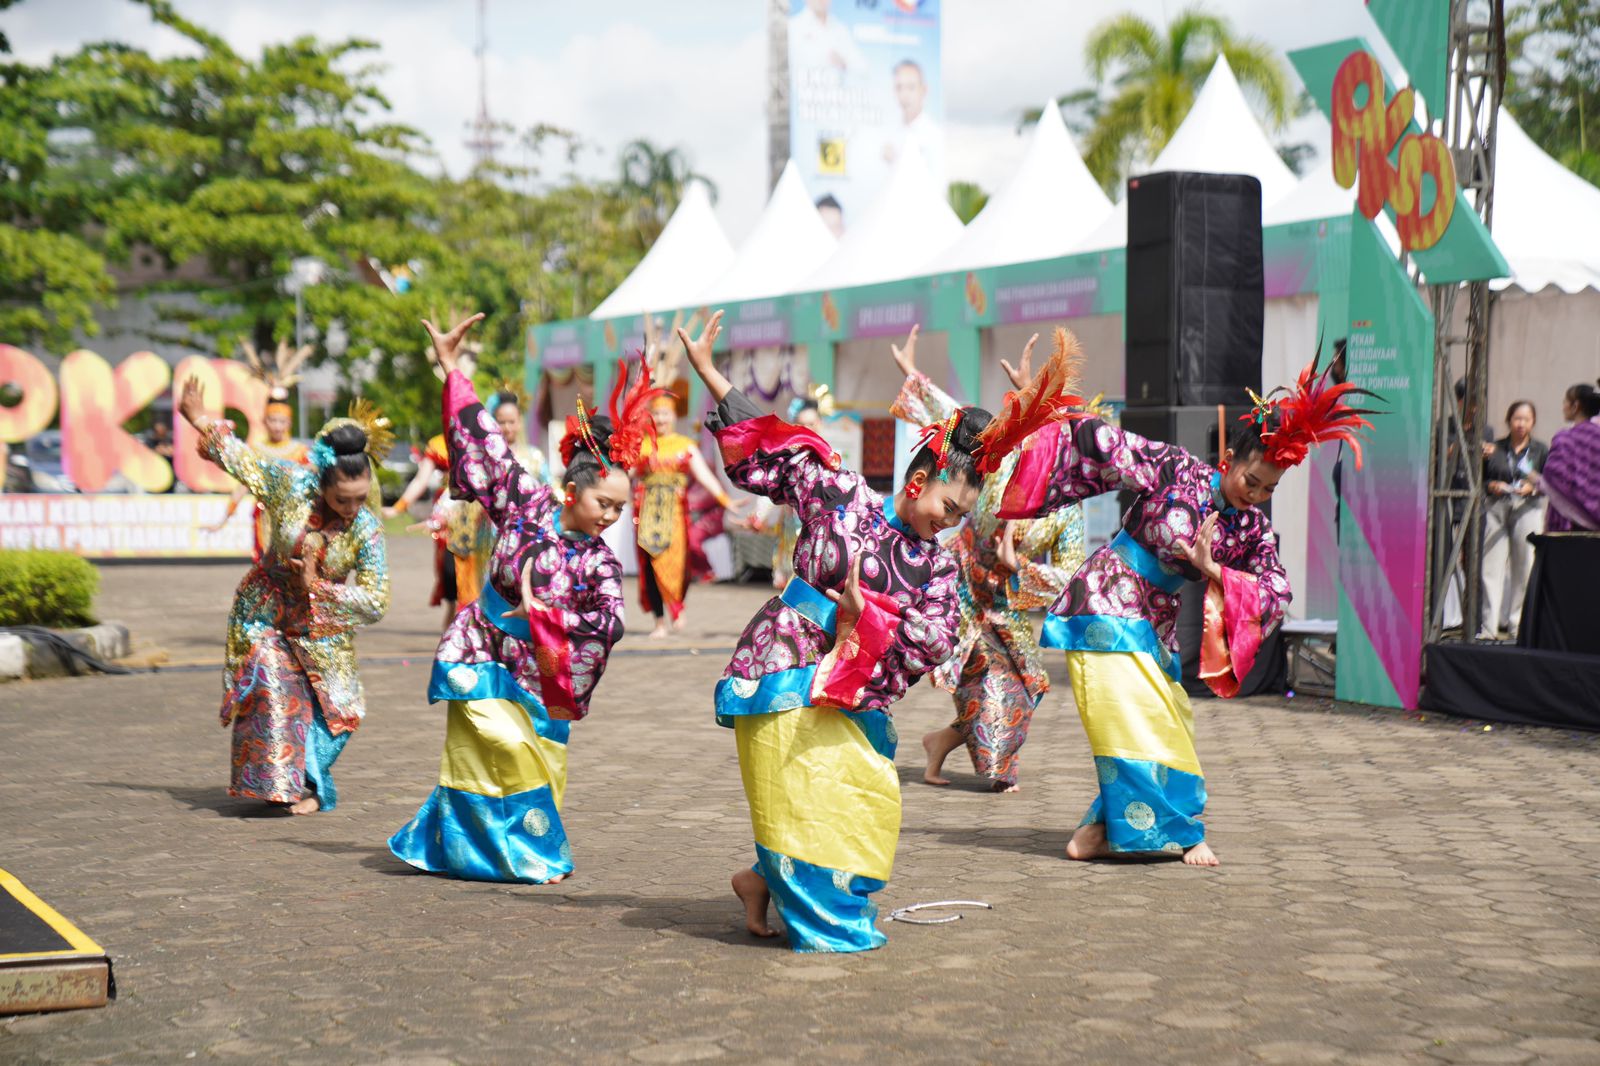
x=529, y=600
x=192, y=403
x=447, y=346
x=1199, y=553
x=699, y=349
x=1022, y=373
x=906, y=358
x=303, y=573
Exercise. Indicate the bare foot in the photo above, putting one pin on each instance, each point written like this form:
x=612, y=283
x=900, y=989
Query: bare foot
x=557, y=879
x=307, y=805
x=751, y=888
x=1089, y=843
x=1201, y=855
x=1005, y=786
x=678, y=623
x=939, y=744
x=660, y=630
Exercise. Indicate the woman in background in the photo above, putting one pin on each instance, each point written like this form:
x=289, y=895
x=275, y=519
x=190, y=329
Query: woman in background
x=1571, y=476
x=1515, y=510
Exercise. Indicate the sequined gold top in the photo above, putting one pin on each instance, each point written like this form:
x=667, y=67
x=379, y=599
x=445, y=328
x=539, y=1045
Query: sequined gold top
x=352, y=588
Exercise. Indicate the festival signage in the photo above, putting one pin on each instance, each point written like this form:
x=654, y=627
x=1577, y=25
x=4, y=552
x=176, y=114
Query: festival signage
x=1383, y=526
x=136, y=526
x=95, y=399
x=864, y=83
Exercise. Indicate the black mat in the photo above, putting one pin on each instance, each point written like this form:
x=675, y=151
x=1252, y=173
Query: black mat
x=1562, y=609
x=1502, y=683
x=24, y=932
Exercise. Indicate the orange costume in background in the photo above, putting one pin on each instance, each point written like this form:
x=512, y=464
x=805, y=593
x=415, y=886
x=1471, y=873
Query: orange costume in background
x=661, y=510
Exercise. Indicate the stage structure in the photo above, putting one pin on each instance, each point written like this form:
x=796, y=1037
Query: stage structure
x=1477, y=75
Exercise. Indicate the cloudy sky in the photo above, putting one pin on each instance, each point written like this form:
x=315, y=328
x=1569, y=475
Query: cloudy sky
x=623, y=69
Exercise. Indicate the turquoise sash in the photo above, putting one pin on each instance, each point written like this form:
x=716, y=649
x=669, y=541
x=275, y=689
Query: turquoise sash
x=1143, y=562
x=806, y=601
x=493, y=606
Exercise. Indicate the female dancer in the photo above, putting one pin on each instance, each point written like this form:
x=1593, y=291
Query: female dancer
x=661, y=509
x=290, y=685
x=1006, y=569
x=1571, y=475
x=873, y=607
x=1116, y=619
x=516, y=678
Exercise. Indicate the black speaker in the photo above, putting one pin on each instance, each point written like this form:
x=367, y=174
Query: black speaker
x=1192, y=428
x=1196, y=294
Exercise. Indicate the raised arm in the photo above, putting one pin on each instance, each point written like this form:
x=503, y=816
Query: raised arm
x=271, y=481
x=1066, y=462
x=482, y=466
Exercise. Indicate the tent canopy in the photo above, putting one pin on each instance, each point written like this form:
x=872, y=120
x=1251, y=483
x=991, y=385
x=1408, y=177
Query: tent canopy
x=1220, y=135
x=789, y=242
x=907, y=224
x=1546, y=218
x=691, y=252
x=1047, y=207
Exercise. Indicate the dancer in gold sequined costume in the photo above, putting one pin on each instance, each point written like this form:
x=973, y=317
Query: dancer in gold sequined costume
x=291, y=690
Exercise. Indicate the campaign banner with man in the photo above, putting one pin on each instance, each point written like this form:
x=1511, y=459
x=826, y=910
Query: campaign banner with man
x=863, y=84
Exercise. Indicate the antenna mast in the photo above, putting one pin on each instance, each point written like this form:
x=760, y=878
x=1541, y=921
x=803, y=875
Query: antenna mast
x=482, y=139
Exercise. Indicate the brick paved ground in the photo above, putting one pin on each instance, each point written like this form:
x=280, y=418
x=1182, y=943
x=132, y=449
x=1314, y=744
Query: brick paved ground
x=1394, y=891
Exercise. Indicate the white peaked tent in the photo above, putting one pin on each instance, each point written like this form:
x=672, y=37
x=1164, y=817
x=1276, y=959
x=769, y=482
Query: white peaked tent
x=691, y=252
x=907, y=224
x=1047, y=207
x=1220, y=135
x=1546, y=218
x=789, y=242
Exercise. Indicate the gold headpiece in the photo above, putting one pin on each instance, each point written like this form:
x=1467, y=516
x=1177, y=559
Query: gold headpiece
x=279, y=370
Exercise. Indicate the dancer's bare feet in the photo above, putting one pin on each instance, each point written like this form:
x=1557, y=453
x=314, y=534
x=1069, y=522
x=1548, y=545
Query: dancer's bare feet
x=306, y=805
x=1201, y=855
x=660, y=630
x=557, y=879
x=1005, y=786
x=938, y=745
x=1089, y=843
x=678, y=623
x=751, y=888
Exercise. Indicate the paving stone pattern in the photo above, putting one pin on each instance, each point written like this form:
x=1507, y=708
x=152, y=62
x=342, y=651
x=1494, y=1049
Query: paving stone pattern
x=1394, y=890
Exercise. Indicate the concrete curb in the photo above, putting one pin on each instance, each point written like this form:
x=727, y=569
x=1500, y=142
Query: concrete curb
x=23, y=658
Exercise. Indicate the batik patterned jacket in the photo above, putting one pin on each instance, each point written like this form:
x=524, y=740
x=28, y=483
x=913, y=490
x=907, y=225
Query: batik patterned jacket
x=1126, y=596
x=553, y=659
x=912, y=614
x=351, y=590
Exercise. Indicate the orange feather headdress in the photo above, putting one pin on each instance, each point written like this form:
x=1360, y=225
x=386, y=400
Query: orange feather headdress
x=1314, y=412
x=1049, y=397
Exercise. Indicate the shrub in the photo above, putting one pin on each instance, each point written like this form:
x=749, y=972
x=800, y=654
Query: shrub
x=44, y=588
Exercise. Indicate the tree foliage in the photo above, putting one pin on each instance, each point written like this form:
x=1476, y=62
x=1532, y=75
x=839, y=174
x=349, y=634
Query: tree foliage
x=196, y=181
x=1147, y=79
x=1553, y=85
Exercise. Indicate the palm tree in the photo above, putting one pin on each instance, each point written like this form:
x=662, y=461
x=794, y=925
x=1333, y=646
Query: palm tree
x=1156, y=77
x=654, y=180
x=966, y=199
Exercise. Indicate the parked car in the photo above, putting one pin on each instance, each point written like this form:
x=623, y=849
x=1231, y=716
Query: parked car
x=397, y=470
x=45, y=463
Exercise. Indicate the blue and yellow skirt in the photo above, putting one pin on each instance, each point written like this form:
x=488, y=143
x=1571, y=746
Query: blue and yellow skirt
x=1141, y=730
x=825, y=807
x=496, y=812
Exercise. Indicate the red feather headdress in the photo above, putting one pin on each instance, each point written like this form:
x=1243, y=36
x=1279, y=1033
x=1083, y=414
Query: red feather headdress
x=1048, y=398
x=1314, y=412
x=630, y=422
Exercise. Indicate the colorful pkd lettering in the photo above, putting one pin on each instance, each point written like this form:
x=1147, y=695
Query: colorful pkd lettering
x=1365, y=129
x=36, y=405
x=96, y=399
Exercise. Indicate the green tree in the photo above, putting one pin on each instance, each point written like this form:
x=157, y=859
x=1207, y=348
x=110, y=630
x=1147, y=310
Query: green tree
x=1147, y=80
x=1553, y=84
x=966, y=199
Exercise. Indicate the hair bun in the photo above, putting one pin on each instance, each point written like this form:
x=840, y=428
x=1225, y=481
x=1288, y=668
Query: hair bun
x=346, y=440
x=972, y=422
x=600, y=426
